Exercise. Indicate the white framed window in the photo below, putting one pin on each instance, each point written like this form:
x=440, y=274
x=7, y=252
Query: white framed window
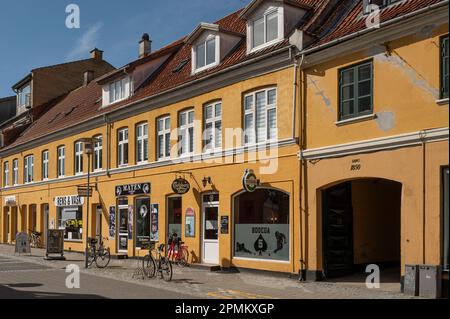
x=28, y=170
x=260, y=116
x=186, y=133
x=24, y=96
x=206, y=54
x=266, y=30
x=6, y=174
x=142, y=143
x=45, y=165
x=213, y=126
x=98, y=153
x=163, y=147
x=116, y=91
x=122, y=147
x=61, y=161
x=78, y=160
x=16, y=172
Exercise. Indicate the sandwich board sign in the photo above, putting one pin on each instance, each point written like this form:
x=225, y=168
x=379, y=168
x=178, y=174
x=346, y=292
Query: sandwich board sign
x=55, y=244
x=23, y=244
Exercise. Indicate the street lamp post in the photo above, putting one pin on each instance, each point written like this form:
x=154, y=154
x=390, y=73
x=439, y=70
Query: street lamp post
x=88, y=146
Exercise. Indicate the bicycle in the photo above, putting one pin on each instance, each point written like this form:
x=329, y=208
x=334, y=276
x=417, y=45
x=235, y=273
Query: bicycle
x=178, y=253
x=160, y=265
x=98, y=253
x=35, y=239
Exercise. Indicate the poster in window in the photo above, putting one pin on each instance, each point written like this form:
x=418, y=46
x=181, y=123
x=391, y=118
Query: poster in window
x=112, y=222
x=190, y=223
x=130, y=222
x=142, y=222
x=154, y=214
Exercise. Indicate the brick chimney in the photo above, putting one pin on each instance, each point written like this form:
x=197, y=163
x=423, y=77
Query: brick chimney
x=145, y=46
x=88, y=77
x=97, y=54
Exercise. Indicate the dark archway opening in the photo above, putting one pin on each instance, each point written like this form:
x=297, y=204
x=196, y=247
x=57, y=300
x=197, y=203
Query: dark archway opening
x=361, y=226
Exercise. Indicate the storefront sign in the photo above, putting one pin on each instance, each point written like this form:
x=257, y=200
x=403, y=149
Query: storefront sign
x=10, y=201
x=154, y=234
x=190, y=223
x=133, y=189
x=250, y=181
x=142, y=222
x=71, y=200
x=112, y=222
x=130, y=222
x=55, y=242
x=262, y=241
x=23, y=244
x=224, y=225
x=181, y=186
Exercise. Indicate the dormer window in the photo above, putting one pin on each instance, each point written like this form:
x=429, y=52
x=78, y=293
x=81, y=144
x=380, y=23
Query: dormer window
x=205, y=54
x=266, y=29
x=371, y=5
x=24, y=98
x=116, y=91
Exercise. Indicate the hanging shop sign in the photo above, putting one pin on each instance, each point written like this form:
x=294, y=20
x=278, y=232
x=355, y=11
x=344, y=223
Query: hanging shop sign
x=190, y=222
x=71, y=200
x=154, y=214
x=250, y=182
x=181, y=186
x=10, y=201
x=133, y=189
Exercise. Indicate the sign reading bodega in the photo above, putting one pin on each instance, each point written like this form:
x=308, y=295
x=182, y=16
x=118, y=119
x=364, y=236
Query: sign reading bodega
x=71, y=200
x=133, y=189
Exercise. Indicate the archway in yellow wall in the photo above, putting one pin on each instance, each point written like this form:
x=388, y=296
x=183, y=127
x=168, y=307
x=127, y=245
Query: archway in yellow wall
x=361, y=225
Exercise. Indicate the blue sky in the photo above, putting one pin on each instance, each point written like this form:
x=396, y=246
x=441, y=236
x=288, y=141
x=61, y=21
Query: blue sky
x=33, y=33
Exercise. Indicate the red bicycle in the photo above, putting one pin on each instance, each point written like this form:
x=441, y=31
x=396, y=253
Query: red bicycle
x=178, y=253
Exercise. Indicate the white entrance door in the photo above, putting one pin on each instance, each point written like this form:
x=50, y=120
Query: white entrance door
x=210, y=233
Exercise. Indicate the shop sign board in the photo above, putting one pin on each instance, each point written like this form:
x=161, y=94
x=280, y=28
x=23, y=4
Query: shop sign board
x=10, y=201
x=70, y=200
x=190, y=222
x=133, y=189
x=23, y=244
x=181, y=186
x=55, y=243
x=250, y=182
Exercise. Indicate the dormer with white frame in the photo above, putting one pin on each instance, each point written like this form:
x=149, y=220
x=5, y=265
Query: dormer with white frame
x=210, y=44
x=271, y=21
x=118, y=89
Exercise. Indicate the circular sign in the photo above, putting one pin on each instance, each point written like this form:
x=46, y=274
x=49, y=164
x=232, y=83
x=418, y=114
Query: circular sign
x=181, y=186
x=250, y=181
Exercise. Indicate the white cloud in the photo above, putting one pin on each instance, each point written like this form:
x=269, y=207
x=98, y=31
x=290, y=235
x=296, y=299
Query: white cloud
x=85, y=43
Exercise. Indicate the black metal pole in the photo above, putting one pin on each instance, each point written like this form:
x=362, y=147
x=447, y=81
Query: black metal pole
x=87, y=211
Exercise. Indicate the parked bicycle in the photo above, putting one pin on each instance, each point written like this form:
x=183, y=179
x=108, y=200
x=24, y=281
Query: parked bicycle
x=158, y=265
x=35, y=239
x=98, y=253
x=178, y=253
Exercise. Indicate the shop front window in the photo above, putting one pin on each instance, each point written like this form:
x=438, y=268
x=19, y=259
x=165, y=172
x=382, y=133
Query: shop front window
x=175, y=216
x=70, y=219
x=261, y=225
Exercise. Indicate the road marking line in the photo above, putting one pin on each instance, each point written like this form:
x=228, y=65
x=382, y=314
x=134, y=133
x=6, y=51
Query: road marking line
x=236, y=294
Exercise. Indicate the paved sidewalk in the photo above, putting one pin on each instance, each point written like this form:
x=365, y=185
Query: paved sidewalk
x=199, y=283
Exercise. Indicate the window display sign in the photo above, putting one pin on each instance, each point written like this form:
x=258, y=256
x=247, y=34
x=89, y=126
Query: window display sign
x=130, y=222
x=133, y=189
x=154, y=234
x=112, y=222
x=262, y=241
x=142, y=222
x=190, y=223
x=224, y=225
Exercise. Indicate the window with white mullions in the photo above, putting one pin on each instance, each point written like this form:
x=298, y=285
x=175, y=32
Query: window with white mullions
x=117, y=91
x=16, y=172
x=260, y=116
x=205, y=54
x=213, y=126
x=265, y=29
x=78, y=158
x=356, y=87
x=186, y=133
x=28, y=169
x=61, y=161
x=122, y=147
x=45, y=165
x=142, y=143
x=98, y=153
x=6, y=174
x=163, y=148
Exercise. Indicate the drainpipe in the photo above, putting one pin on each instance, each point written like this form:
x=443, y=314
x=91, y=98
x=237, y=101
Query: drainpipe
x=108, y=144
x=422, y=138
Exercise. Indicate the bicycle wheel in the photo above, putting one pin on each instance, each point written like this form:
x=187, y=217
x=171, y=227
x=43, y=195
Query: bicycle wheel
x=148, y=266
x=183, y=260
x=91, y=256
x=103, y=258
x=166, y=269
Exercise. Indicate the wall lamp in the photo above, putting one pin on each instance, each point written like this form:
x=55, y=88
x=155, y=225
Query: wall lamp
x=206, y=181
